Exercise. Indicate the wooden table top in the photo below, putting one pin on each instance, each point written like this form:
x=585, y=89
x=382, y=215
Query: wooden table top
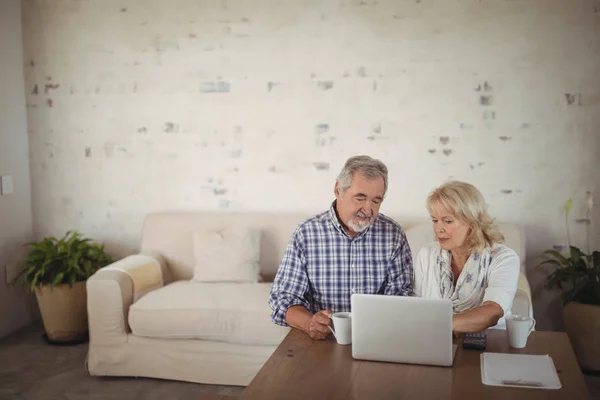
x=301, y=368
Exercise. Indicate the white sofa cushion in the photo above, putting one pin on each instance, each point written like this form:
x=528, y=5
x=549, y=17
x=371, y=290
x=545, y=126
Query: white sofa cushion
x=227, y=255
x=226, y=312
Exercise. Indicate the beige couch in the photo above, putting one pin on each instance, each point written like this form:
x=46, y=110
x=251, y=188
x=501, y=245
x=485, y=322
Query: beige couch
x=217, y=333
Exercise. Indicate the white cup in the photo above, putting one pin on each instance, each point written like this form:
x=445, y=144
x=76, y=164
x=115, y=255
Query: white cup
x=342, y=327
x=518, y=329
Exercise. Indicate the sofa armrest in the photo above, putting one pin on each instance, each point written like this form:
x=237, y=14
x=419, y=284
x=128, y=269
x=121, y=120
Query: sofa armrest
x=523, y=284
x=166, y=272
x=110, y=293
x=522, y=304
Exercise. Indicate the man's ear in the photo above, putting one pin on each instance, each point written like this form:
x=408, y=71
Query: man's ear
x=336, y=190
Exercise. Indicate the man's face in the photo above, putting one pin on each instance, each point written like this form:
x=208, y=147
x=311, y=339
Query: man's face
x=359, y=205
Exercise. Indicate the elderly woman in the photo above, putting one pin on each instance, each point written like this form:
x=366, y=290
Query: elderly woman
x=467, y=263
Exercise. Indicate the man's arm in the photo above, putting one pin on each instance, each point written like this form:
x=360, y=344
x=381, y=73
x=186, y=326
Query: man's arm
x=288, y=294
x=400, y=274
x=291, y=282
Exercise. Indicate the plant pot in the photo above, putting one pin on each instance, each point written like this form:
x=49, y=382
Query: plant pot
x=582, y=322
x=64, y=311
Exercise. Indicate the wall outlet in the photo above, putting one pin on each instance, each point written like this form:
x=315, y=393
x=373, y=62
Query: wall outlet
x=6, y=185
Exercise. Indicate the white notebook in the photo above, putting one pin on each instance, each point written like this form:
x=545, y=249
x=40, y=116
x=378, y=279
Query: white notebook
x=519, y=370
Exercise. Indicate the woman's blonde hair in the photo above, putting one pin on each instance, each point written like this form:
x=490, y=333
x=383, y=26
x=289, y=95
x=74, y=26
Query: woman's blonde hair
x=466, y=203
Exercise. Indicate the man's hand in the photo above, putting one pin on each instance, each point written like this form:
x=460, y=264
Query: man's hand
x=318, y=325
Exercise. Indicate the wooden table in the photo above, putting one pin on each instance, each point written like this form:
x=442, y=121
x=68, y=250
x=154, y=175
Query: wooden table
x=301, y=368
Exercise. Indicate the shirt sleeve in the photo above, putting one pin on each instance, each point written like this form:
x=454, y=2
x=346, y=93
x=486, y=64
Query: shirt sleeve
x=291, y=282
x=504, y=275
x=400, y=275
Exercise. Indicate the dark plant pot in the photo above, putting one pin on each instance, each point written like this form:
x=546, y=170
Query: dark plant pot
x=582, y=322
x=64, y=312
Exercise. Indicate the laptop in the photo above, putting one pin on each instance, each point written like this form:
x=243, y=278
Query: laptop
x=401, y=329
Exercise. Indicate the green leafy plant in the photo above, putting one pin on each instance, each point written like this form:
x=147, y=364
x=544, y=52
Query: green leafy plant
x=69, y=260
x=577, y=275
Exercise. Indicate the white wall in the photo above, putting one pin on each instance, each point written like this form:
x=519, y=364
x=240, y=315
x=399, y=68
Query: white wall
x=254, y=105
x=16, y=308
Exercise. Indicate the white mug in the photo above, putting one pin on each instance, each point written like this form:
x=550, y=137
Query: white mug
x=342, y=327
x=518, y=329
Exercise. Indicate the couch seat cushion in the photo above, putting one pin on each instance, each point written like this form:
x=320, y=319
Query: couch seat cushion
x=224, y=312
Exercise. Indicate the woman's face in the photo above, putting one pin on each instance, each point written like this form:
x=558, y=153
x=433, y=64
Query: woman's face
x=450, y=232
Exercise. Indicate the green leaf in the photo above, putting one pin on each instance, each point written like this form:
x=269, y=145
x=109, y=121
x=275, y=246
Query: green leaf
x=87, y=268
x=581, y=265
x=58, y=279
x=550, y=262
x=575, y=254
x=558, y=256
x=571, y=294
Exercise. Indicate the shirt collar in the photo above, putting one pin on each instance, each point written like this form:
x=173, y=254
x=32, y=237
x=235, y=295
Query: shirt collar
x=334, y=217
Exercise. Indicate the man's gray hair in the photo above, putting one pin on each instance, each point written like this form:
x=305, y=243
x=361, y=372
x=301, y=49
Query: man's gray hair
x=368, y=166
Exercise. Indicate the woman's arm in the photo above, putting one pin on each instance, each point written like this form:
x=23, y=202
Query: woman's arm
x=477, y=319
x=499, y=294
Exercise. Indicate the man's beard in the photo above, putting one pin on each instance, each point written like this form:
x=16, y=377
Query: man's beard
x=360, y=226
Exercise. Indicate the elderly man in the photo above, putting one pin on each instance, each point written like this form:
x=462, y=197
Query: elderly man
x=351, y=248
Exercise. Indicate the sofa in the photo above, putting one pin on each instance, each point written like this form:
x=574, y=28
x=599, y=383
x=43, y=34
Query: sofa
x=205, y=332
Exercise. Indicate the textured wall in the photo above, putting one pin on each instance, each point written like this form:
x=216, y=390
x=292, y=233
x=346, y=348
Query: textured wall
x=137, y=106
x=16, y=308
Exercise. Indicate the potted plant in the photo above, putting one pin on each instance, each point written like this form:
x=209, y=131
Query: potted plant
x=56, y=271
x=577, y=275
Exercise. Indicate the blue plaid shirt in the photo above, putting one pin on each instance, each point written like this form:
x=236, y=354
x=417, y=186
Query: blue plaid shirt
x=323, y=266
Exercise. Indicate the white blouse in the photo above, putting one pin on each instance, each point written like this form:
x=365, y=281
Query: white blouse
x=500, y=283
